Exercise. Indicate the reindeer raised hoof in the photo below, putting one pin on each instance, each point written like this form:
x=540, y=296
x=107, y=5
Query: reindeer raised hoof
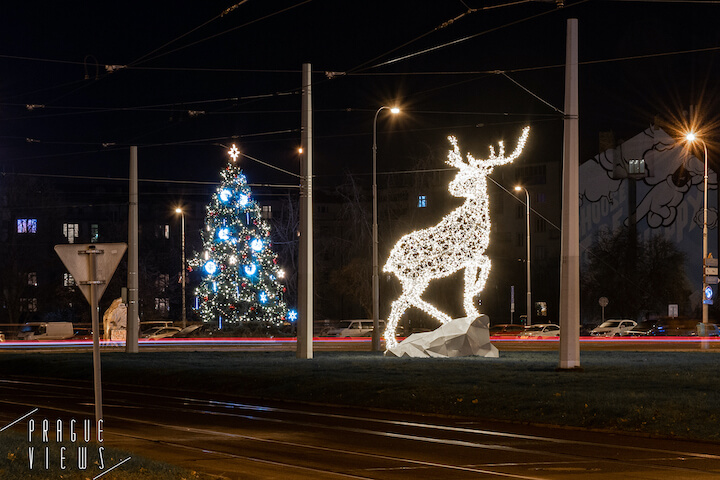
x=458, y=242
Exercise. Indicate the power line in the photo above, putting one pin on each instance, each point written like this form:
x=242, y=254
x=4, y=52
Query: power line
x=466, y=38
x=146, y=180
x=230, y=30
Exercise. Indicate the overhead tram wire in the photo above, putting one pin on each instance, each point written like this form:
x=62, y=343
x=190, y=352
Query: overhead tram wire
x=443, y=25
x=84, y=83
x=146, y=180
x=226, y=31
x=469, y=37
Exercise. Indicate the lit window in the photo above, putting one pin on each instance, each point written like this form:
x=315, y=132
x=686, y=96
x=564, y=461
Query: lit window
x=32, y=279
x=27, y=225
x=94, y=232
x=68, y=280
x=162, y=305
x=422, y=201
x=267, y=212
x=71, y=231
x=162, y=231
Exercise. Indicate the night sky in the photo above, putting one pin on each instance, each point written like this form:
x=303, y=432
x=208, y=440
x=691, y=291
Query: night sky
x=194, y=77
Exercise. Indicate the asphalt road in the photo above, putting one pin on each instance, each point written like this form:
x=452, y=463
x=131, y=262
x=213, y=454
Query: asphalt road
x=364, y=344
x=260, y=439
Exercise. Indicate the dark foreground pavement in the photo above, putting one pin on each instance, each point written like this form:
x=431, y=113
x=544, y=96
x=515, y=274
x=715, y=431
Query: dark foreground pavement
x=259, y=439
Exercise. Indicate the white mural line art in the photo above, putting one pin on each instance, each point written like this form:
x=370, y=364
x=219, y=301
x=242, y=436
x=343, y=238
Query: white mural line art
x=458, y=242
x=671, y=173
x=669, y=194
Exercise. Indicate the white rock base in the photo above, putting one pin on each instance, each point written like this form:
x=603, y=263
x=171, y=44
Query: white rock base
x=461, y=337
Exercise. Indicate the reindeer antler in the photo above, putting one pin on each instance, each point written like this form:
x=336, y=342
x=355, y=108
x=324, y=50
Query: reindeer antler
x=455, y=159
x=500, y=158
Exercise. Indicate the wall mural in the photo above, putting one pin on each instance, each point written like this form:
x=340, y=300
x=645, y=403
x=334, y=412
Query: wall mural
x=668, y=196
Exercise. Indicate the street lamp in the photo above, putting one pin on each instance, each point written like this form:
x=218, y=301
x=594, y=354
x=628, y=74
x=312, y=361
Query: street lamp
x=375, y=268
x=527, y=261
x=182, y=227
x=691, y=137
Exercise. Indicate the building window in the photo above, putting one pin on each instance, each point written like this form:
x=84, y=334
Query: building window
x=94, y=232
x=27, y=225
x=68, y=280
x=519, y=240
x=32, y=279
x=540, y=225
x=520, y=211
x=71, y=231
x=162, y=305
x=162, y=231
x=540, y=198
x=266, y=212
x=422, y=201
x=540, y=252
x=28, y=304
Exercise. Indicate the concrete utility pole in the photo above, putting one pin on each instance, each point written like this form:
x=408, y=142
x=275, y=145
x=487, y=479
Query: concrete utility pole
x=528, y=320
x=305, y=268
x=570, y=245
x=131, y=334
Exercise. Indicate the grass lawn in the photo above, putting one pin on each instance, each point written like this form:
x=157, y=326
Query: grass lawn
x=658, y=393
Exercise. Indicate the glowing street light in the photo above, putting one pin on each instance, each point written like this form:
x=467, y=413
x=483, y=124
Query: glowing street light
x=692, y=137
x=182, y=227
x=527, y=254
x=375, y=268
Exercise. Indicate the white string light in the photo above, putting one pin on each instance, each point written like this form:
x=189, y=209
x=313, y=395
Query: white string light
x=458, y=241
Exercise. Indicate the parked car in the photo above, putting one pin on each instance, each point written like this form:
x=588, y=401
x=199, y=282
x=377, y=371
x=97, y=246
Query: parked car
x=542, y=330
x=646, y=329
x=2, y=337
x=613, y=328
x=353, y=328
x=82, y=333
x=507, y=330
x=708, y=330
x=161, y=332
x=46, y=331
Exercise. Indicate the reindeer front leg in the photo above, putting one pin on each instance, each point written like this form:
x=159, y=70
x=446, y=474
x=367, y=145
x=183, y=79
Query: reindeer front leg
x=475, y=278
x=396, y=311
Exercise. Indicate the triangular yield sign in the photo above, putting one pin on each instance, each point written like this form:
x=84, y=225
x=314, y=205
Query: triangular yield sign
x=76, y=260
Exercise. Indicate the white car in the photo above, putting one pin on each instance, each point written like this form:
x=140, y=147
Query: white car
x=161, y=332
x=612, y=328
x=542, y=330
x=353, y=328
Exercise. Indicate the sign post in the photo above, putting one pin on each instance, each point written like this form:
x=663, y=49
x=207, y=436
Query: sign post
x=710, y=278
x=92, y=266
x=603, y=302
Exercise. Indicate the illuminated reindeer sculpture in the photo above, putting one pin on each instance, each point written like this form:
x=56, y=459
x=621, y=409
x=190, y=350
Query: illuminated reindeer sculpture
x=458, y=241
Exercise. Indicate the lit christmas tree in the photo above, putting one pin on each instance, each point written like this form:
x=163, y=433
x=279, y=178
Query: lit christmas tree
x=239, y=268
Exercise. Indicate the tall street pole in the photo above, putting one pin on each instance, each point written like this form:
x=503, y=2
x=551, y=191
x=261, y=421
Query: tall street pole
x=570, y=244
x=705, y=233
x=691, y=137
x=182, y=230
x=527, y=254
x=305, y=267
x=375, y=262
x=132, y=326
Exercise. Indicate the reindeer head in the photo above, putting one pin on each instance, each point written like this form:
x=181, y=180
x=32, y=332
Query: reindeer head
x=470, y=180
